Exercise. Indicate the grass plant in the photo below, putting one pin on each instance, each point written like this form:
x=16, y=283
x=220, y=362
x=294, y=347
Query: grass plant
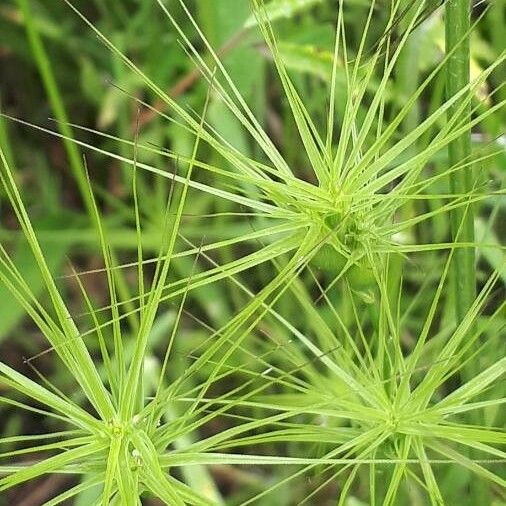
x=281, y=329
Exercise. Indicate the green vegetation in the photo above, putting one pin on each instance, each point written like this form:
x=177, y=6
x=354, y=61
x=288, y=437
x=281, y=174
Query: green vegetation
x=256, y=256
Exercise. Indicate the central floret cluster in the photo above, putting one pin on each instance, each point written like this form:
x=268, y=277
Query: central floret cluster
x=345, y=243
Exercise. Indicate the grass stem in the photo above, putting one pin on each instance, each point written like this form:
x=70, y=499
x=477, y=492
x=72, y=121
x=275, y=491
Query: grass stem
x=457, y=24
x=56, y=101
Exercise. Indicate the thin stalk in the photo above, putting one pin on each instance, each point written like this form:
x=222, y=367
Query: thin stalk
x=457, y=24
x=56, y=101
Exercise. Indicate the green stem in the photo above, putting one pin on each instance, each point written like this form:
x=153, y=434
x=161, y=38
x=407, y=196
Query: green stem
x=457, y=25
x=56, y=102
